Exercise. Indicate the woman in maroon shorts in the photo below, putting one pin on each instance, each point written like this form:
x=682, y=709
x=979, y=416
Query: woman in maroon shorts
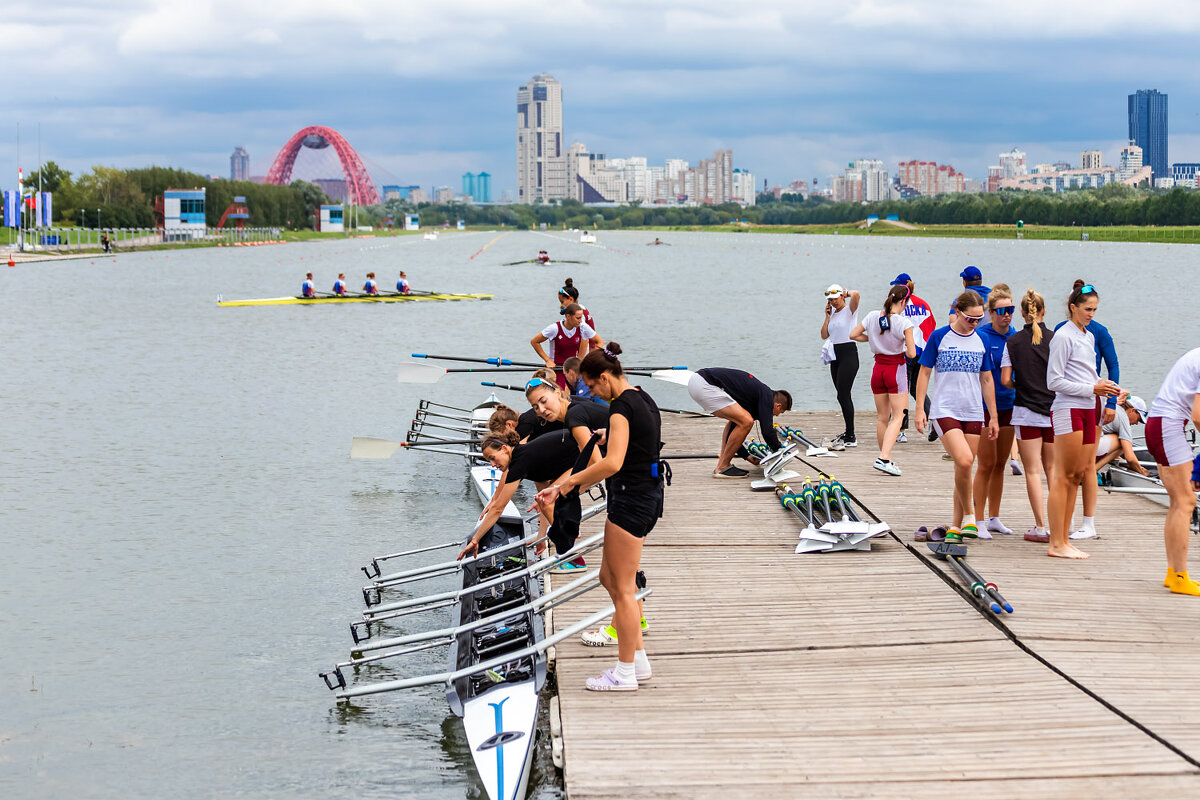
x=1071, y=375
x=1178, y=401
x=1023, y=368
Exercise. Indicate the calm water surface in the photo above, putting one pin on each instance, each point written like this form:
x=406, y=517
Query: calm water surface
x=182, y=526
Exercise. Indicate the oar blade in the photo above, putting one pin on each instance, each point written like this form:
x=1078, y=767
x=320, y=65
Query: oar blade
x=420, y=373
x=679, y=376
x=370, y=447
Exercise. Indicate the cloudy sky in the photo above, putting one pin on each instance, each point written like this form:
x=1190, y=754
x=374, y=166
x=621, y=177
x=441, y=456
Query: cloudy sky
x=427, y=91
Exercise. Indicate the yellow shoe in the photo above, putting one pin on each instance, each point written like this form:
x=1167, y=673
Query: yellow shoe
x=1170, y=576
x=1182, y=584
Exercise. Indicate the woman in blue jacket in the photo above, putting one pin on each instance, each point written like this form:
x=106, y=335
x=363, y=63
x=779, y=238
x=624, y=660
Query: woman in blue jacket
x=993, y=453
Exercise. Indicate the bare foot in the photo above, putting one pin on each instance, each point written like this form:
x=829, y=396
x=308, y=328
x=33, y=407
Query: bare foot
x=1069, y=551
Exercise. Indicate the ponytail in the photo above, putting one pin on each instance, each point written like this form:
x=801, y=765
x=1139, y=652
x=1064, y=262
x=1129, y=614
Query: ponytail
x=1033, y=304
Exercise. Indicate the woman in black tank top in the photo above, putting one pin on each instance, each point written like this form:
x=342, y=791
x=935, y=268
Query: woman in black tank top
x=630, y=470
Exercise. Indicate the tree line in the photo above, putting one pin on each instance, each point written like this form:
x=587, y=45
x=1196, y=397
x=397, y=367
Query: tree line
x=124, y=198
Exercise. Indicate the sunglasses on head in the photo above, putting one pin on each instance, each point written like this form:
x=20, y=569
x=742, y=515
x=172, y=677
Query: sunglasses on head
x=1004, y=311
x=1087, y=289
x=536, y=382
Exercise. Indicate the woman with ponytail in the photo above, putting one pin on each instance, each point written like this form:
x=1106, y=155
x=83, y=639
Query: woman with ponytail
x=1023, y=370
x=570, y=294
x=890, y=335
x=633, y=480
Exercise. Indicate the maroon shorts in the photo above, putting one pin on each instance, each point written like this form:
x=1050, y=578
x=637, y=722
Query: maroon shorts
x=1075, y=420
x=1166, y=441
x=944, y=424
x=1027, y=432
x=889, y=375
x=1004, y=415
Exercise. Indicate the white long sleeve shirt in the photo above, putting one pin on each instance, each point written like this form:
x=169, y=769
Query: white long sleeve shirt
x=1071, y=372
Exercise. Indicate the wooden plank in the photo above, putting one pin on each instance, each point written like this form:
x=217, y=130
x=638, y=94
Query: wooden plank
x=866, y=674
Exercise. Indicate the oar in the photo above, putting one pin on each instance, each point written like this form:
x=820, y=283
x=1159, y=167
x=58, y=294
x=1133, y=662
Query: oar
x=497, y=361
x=502, y=386
x=991, y=588
x=679, y=375
x=370, y=447
x=428, y=373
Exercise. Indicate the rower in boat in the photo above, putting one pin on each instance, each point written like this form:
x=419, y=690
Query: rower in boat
x=571, y=337
x=308, y=288
x=371, y=287
x=570, y=294
x=543, y=257
x=402, y=286
x=339, y=286
x=633, y=475
x=741, y=399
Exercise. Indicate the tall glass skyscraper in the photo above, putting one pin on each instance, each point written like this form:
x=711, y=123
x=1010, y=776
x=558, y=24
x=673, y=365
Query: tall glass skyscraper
x=239, y=165
x=541, y=159
x=1148, y=128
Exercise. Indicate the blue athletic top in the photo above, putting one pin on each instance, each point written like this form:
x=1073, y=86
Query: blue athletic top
x=308, y=289
x=339, y=287
x=370, y=287
x=994, y=341
x=982, y=291
x=1106, y=352
x=1196, y=469
x=402, y=286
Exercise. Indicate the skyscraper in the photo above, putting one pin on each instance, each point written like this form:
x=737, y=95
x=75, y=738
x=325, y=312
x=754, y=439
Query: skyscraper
x=541, y=163
x=239, y=165
x=1148, y=128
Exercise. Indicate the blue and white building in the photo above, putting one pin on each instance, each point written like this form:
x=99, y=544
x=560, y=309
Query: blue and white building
x=330, y=219
x=184, y=213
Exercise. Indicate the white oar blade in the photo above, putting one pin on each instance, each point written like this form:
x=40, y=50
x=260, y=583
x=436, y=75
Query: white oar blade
x=680, y=376
x=416, y=372
x=370, y=447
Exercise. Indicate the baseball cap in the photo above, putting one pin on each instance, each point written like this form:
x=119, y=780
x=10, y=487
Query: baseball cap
x=834, y=290
x=971, y=274
x=902, y=279
x=1138, y=405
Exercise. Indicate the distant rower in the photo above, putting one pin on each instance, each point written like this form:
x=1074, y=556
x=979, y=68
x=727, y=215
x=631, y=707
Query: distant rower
x=308, y=289
x=402, y=285
x=371, y=287
x=339, y=286
x=543, y=257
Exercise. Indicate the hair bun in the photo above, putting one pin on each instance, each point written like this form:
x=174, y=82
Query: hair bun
x=613, y=348
x=1078, y=283
x=569, y=282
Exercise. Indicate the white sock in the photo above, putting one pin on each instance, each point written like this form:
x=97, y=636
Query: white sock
x=994, y=524
x=1089, y=523
x=625, y=672
x=640, y=660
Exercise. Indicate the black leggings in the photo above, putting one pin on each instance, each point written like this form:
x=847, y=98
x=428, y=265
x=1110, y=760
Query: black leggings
x=914, y=371
x=842, y=370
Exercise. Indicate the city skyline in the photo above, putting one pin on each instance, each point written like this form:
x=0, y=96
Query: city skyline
x=794, y=89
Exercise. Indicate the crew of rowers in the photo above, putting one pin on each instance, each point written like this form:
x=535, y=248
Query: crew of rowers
x=979, y=384
x=340, y=289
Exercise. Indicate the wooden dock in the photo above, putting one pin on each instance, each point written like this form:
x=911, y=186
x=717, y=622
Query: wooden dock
x=861, y=674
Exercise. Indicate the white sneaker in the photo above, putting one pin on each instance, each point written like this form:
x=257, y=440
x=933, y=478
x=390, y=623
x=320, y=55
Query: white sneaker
x=901, y=438
x=886, y=466
x=1085, y=533
x=996, y=526
x=833, y=444
x=598, y=637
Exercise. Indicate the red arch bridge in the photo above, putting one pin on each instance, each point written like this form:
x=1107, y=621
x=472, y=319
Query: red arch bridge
x=359, y=188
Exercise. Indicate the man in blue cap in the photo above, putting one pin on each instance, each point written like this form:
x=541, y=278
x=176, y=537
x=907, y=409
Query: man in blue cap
x=972, y=279
x=920, y=314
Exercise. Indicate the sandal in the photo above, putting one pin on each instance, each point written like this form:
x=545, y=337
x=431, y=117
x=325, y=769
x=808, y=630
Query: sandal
x=938, y=534
x=1033, y=536
x=954, y=536
x=921, y=535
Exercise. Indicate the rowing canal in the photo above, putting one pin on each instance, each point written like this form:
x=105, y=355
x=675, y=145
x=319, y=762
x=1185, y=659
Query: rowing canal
x=182, y=527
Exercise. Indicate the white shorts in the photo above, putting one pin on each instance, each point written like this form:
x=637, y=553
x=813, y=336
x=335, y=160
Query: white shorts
x=1107, y=443
x=710, y=398
x=1030, y=418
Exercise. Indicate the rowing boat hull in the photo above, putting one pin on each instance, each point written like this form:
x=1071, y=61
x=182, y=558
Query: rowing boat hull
x=316, y=301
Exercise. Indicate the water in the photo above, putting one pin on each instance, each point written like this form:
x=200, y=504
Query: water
x=182, y=527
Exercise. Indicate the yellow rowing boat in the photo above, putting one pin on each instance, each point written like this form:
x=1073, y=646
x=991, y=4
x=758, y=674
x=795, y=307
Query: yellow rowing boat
x=382, y=298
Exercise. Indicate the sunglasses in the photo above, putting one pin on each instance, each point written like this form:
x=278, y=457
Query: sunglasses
x=1004, y=311
x=1087, y=289
x=536, y=382
x=973, y=320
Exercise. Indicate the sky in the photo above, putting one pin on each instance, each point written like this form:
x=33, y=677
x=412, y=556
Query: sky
x=427, y=91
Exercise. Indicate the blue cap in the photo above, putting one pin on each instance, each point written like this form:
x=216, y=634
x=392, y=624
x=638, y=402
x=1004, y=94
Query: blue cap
x=902, y=279
x=971, y=274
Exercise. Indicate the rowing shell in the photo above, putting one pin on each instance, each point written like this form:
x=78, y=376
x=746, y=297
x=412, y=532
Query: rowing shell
x=383, y=298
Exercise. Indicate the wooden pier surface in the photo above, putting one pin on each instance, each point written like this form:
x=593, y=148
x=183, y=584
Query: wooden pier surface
x=861, y=674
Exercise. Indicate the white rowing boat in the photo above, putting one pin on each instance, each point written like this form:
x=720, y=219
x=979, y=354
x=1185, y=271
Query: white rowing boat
x=496, y=664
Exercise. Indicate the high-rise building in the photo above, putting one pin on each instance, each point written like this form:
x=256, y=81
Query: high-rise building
x=1148, y=128
x=1185, y=174
x=468, y=184
x=744, y=190
x=443, y=194
x=1091, y=159
x=930, y=178
x=239, y=165
x=1012, y=164
x=541, y=163
x=483, y=188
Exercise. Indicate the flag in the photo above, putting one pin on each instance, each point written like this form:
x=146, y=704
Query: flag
x=47, y=206
x=12, y=218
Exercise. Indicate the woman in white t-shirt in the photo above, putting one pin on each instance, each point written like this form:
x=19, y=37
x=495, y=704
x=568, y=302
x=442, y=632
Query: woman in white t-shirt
x=841, y=315
x=1075, y=413
x=890, y=336
x=1177, y=402
x=962, y=388
x=570, y=337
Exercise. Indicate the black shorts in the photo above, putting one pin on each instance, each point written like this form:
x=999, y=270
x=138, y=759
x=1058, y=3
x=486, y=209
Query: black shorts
x=635, y=509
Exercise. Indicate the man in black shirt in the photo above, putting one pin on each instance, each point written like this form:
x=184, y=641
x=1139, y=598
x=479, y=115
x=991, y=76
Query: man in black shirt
x=742, y=399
